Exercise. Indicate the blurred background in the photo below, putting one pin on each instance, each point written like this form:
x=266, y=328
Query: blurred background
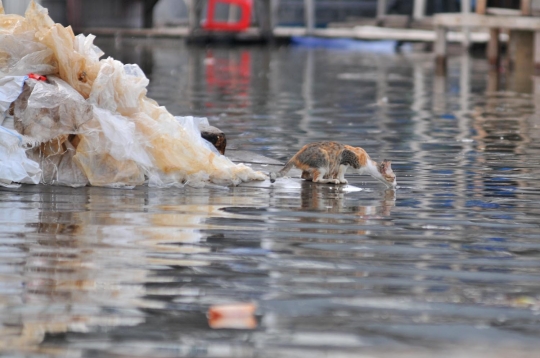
x=131, y=13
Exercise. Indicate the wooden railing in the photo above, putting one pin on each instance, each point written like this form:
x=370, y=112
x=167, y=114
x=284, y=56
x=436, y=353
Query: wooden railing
x=524, y=33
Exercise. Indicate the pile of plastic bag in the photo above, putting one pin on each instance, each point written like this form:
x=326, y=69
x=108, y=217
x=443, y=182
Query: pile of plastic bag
x=89, y=120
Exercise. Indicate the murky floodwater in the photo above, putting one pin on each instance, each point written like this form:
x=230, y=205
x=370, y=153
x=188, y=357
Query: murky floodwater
x=448, y=263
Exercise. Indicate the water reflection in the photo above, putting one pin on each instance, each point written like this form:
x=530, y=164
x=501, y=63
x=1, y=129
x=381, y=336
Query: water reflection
x=82, y=259
x=452, y=257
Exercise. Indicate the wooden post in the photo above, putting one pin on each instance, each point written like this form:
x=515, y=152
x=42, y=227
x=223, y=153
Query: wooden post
x=381, y=9
x=74, y=10
x=537, y=52
x=440, y=50
x=465, y=10
x=493, y=48
x=309, y=14
x=526, y=8
x=265, y=14
x=481, y=7
x=419, y=10
x=195, y=10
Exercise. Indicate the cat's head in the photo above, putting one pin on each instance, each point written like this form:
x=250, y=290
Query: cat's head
x=385, y=169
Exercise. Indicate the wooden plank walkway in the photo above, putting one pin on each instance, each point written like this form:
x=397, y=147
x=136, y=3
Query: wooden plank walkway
x=524, y=35
x=487, y=21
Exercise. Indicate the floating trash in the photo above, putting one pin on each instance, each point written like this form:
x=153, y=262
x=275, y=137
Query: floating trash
x=235, y=316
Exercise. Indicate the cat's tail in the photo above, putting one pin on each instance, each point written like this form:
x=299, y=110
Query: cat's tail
x=282, y=172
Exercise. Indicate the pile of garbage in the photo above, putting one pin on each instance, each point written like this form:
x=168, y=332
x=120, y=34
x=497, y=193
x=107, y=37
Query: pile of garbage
x=69, y=118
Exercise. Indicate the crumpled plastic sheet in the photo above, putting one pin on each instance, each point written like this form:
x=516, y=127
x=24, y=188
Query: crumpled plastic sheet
x=91, y=122
x=15, y=167
x=46, y=110
x=55, y=158
x=20, y=55
x=10, y=88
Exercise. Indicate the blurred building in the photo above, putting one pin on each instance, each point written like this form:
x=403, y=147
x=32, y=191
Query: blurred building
x=134, y=13
x=148, y=13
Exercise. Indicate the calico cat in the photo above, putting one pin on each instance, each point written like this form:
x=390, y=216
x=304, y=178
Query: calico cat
x=327, y=162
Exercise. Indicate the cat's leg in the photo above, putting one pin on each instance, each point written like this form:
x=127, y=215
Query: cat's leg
x=341, y=174
x=318, y=177
x=306, y=175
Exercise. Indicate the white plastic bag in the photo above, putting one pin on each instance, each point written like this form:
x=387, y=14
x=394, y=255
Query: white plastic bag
x=85, y=46
x=118, y=87
x=112, y=152
x=122, y=141
x=10, y=88
x=15, y=167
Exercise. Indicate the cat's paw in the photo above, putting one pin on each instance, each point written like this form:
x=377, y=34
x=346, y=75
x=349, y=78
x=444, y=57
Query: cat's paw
x=344, y=181
x=335, y=181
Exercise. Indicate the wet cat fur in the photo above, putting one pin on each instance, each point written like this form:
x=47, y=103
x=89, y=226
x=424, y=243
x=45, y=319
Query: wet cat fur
x=327, y=162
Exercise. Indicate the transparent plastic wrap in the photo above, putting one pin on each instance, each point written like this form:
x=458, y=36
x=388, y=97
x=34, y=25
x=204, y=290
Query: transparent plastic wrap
x=47, y=110
x=102, y=169
x=111, y=153
x=118, y=87
x=20, y=55
x=55, y=158
x=92, y=120
x=15, y=167
x=10, y=88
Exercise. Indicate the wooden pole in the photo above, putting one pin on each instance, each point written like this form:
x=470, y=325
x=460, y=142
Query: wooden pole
x=526, y=8
x=381, y=9
x=309, y=13
x=465, y=10
x=73, y=9
x=266, y=13
x=195, y=10
x=419, y=10
x=481, y=7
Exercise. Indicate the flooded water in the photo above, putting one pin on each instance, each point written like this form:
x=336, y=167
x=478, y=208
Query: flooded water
x=447, y=265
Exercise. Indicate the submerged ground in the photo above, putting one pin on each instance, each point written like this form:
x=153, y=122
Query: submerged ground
x=449, y=263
